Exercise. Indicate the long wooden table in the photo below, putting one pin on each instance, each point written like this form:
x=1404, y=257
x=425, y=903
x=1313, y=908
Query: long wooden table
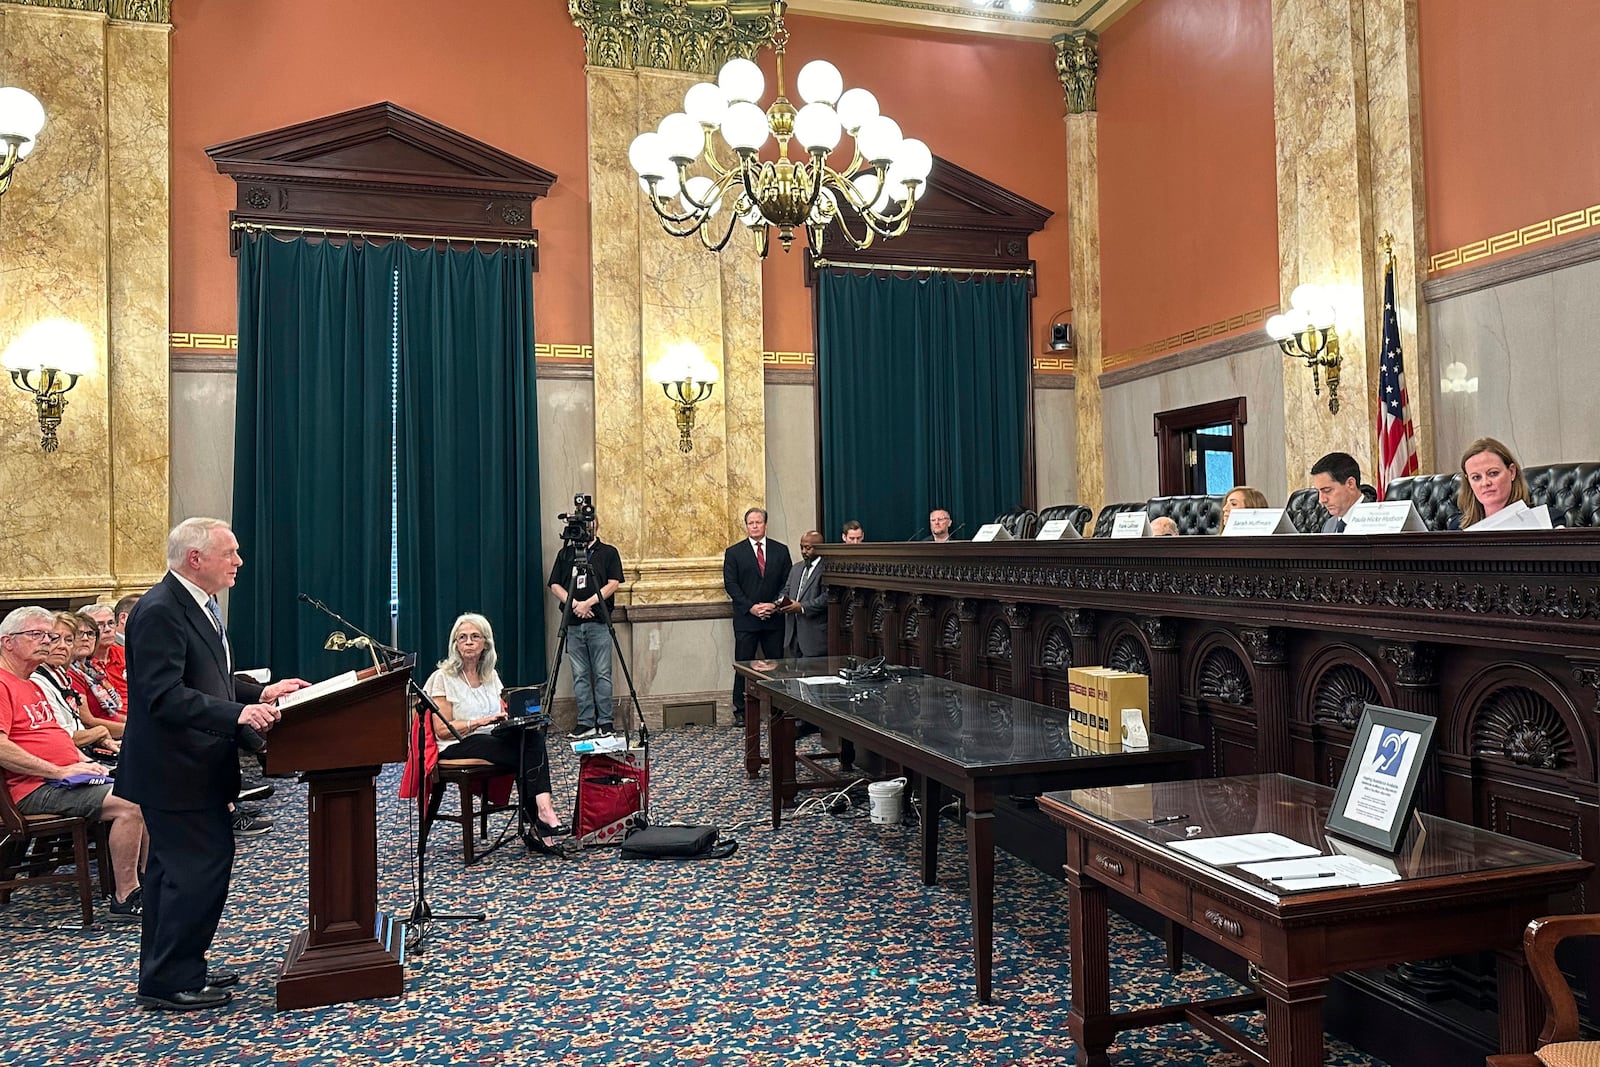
x=1461, y=889
x=978, y=744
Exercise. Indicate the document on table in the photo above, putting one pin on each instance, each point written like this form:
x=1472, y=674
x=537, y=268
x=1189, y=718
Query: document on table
x=1242, y=848
x=822, y=679
x=1319, y=872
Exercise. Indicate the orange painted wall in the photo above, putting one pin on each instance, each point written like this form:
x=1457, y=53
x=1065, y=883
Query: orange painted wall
x=991, y=106
x=508, y=72
x=1188, y=170
x=1509, y=105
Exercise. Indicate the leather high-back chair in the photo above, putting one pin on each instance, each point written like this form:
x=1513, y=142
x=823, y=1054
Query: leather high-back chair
x=1434, y=496
x=1020, y=523
x=1195, y=514
x=1307, y=512
x=1570, y=490
x=1080, y=514
x=1108, y=516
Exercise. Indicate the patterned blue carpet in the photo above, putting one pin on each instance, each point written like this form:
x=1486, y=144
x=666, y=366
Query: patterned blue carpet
x=815, y=946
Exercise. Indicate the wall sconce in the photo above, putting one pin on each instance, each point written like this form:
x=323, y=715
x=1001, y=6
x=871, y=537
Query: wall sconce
x=687, y=377
x=1060, y=335
x=47, y=360
x=1306, y=332
x=21, y=119
x=1455, y=379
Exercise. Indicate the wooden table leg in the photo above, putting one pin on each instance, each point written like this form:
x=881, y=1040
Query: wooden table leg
x=1294, y=1021
x=980, y=882
x=1521, y=1003
x=780, y=742
x=932, y=797
x=753, y=712
x=1089, y=939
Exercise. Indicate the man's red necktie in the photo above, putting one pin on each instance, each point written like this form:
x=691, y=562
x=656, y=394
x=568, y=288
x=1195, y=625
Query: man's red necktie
x=761, y=560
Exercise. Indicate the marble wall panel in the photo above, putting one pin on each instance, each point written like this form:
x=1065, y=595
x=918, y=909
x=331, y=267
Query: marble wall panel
x=137, y=59
x=792, y=464
x=53, y=264
x=201, y=430
x=566, y=467
x=1130, y=407
x=1531, y=344
x=1083, y=235
x=1055, y=446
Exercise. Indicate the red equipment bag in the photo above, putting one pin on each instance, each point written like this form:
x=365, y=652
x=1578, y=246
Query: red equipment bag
x=612, y=793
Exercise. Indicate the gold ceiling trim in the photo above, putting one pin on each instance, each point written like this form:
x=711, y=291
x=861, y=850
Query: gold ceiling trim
x=157, y=11
x=1046, y=19
x=1533, y=233
x=697, y=36
x=1232, y=324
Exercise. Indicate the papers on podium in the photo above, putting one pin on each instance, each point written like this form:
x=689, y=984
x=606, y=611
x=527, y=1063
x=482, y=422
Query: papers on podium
x=1242, y=848
x=1515, y=516
x=1258, y=522
x=319, y=689
x=1383, y=517
x=992, y=531
x=1131, y=524
x=1058, y=530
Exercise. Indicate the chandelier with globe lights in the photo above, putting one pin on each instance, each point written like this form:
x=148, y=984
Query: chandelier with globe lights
x=697, y=191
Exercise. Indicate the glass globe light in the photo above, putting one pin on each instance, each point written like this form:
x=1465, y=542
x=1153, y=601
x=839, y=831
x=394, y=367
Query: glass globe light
x=705, y=103
x=816, y=127
x=745, y=127
x=741, y=81
x=879, y=140
x=697, y=191
x=56, y=344
x=866, y=185
x=1307, y=296
x=819, y=82
x=855, y=107
x=647, y=156
x=681, y=137
x=21, y=114
x=1278, y=327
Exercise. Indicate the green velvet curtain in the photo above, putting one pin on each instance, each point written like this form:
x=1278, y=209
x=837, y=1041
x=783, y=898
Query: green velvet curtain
x=924, y=398
x=356, y=361
x=311, y=482
x=469, y=455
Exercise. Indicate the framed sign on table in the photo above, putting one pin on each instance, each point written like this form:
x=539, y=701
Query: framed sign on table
x=1379, y=783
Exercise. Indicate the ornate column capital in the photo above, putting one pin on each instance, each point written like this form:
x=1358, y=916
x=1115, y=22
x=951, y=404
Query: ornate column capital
x=1077, y=68
x=1017, y=615
x=1160, y=634
x=159, y=11
x=967, y=609
x=1587, y=672
x=671, y=34
x=1080, y=622
x=1265, y=645
x=1413, y=662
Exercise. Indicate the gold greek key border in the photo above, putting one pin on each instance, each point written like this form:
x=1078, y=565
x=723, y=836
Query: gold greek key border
x=1533, y=233
x=788, y=359
x=563, y=353
x=1054, y=364
x=203, y=342
x=1190, y=337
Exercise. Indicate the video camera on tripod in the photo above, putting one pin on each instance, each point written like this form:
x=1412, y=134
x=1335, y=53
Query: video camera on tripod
x=579, y=528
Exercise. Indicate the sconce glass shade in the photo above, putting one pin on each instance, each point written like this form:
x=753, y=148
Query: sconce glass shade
x=21, y=115
x=683, y=363
x=53, y=344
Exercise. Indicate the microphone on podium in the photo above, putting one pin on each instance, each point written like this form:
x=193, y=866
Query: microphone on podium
x=918, y=535
x=957, y=530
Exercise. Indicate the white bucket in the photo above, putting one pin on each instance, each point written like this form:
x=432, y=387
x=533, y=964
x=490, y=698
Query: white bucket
x=884, y=798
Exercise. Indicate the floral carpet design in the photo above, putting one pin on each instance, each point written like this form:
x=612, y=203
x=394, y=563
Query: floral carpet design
x=811, y=947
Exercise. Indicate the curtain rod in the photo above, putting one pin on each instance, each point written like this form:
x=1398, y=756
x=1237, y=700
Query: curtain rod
x=819, y=262
x=262, y=226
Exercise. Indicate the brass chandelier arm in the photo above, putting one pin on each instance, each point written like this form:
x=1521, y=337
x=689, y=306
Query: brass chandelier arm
x=8, y=166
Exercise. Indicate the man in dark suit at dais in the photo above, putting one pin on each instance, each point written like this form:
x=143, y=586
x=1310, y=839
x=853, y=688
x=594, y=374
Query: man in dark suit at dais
x=754, y=572
x=187, y=716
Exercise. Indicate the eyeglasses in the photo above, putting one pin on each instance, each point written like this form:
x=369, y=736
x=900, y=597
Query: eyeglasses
x=469, y=637
x=48, y=637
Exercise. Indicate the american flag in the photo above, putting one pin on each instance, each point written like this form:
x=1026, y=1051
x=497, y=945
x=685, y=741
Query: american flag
x=1397, y=452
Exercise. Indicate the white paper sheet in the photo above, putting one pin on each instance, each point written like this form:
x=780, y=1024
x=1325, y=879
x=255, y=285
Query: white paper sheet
x=1242, y=848
x=318, y=689
x=1320, y=872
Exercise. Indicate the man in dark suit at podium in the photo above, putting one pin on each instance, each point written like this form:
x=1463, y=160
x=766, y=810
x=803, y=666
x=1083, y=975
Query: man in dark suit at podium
x=187, y=716
x=754, y=572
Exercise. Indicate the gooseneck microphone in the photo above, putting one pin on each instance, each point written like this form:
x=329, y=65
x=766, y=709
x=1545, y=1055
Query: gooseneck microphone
x=342, y=621
x=957, y=530
x=918, y=535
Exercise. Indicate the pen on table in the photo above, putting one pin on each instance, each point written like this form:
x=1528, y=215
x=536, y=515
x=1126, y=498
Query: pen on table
x=1165, y=819
x=1298, y=877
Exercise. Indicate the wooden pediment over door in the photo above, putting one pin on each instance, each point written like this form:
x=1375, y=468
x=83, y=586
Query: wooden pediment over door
x=381, y=171
x=963, y=220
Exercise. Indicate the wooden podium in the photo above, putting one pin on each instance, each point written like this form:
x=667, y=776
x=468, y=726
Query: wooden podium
x=338, y=743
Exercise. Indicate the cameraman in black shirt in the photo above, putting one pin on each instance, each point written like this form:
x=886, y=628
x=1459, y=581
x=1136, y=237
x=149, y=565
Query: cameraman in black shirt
x=586, y=574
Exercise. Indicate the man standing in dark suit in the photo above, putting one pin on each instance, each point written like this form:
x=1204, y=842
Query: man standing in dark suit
x=805, y=616
x=754, y=572
x=187, y=716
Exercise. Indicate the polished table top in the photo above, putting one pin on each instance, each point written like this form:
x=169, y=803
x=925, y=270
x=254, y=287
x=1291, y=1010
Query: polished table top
x=1297, y=809
x=971, y=728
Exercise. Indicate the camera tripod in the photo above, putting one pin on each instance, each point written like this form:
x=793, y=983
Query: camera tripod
x=582, y=576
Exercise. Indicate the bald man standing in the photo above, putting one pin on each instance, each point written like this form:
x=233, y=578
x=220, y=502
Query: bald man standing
x=805, y=616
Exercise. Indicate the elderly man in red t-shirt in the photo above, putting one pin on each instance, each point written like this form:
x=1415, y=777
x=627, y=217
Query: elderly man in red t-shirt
x=34, y=749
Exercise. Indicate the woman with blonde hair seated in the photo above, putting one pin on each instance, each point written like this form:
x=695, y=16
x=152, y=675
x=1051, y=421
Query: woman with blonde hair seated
x=66, y=703
x=467, y=690
x=1241, y=496
x=1491, y=479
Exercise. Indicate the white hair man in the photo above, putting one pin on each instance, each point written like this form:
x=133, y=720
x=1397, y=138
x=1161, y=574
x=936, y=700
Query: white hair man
x=186, y=716
x=35, y=751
